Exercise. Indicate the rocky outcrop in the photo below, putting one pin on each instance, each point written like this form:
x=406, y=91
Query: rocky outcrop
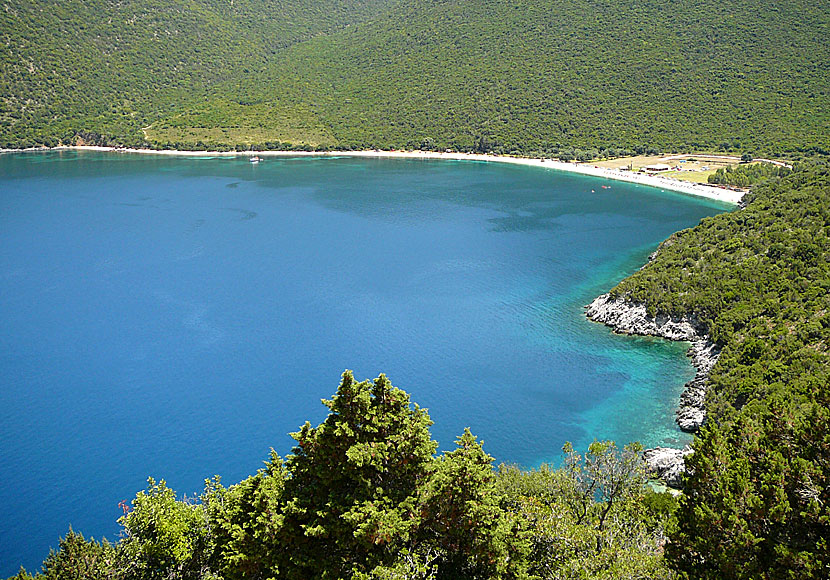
x=667, y=464
x=691, y=411
x=631, y=318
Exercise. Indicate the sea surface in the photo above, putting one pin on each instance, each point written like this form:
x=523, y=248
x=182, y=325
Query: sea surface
x=178, y=317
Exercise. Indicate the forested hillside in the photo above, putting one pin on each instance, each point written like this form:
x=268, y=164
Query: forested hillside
x=105, y=67
x=534, y=75
x=504, y=75
x=756, y=504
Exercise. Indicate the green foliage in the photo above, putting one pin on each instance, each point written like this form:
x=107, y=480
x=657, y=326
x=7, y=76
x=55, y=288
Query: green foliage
x=758, y=281
x=363, y=497
x=352, y=499
x=466, y=520
x=246, y=520
x=164, y=538
x=462, y=73
x=472, y=75
x=592, y=519
x=98, y=71
x=78, y=558
x=747, y=175
x=758, y=495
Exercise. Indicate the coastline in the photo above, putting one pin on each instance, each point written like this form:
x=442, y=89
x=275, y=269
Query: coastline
x=694, y=189
x=630, y=318
x=624, y=317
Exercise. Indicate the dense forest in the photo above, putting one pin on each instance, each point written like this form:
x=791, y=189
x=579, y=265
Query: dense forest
x=98, y=71
x=521, y=76
x=745, y=175
x=363, y=494
x=758, y=499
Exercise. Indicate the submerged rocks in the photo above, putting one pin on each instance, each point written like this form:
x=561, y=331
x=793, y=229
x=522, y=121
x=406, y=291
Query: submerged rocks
x=631, y=318
x=667, y=464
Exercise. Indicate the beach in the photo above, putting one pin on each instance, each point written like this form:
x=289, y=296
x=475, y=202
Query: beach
x=696, y=189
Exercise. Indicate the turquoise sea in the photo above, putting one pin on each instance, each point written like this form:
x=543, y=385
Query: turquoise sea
x=177, y=317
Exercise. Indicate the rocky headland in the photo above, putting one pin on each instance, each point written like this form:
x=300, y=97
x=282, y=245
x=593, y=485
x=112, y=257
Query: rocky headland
x=631, y=318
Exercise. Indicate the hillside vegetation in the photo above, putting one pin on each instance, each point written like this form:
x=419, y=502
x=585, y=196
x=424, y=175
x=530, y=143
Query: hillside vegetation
x=756, y=504
x=103, y=69
x=745, y=175
x=364, y=496
x=503, y=75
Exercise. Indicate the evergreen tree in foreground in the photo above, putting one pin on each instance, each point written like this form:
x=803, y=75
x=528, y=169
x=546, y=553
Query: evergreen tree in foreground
x=363, y=497
x=352, y=499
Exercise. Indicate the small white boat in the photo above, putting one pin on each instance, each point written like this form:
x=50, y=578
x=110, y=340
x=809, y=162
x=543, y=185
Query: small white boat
x=256, y=159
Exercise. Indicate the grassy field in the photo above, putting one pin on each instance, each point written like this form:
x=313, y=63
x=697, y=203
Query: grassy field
x=224, y=122
x=695, y=168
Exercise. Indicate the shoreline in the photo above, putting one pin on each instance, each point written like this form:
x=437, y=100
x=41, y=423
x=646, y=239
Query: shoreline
x=726, y=196
x=630, y=318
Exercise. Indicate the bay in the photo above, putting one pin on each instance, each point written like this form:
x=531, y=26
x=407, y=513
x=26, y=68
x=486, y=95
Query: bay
x=178, y=317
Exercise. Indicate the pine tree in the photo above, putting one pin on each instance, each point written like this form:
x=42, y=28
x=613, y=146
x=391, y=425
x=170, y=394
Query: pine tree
x=466, y=518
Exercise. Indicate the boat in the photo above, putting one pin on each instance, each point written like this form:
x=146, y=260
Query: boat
x=256, y=159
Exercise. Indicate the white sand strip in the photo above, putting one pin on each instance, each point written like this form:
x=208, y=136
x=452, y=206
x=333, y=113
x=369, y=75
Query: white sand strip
x=697, y=189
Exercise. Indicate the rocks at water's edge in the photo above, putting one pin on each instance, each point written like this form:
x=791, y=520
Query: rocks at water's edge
x=631, y=318
x=691, y=411
x=667, y=464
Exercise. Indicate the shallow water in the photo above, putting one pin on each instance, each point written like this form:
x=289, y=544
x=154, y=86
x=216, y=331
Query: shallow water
x=177, y=317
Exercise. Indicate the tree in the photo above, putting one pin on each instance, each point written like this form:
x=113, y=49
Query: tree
x=465, y=517
x=351, y=503
x=164, y=538
x=247, y=522
x=756, y=502
x=593, y=518
x=80, y=559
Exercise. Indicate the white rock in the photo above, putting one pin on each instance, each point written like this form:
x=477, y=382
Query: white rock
x=631, y=318
x=667, y=463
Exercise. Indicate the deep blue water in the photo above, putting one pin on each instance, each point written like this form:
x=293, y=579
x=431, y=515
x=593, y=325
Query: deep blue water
x=177, y=317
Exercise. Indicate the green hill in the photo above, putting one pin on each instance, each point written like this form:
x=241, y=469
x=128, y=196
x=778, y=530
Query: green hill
x=503, y=75
x=759, y=281
x=528, y=76
x=109, y=68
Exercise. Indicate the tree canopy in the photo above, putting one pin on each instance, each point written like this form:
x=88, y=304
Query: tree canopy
x=363, y=496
